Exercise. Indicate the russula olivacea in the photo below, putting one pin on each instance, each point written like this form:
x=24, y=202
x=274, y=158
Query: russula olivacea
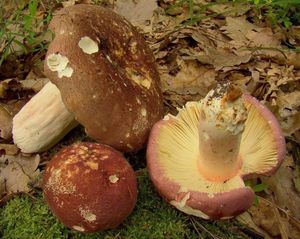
x=90, y=187
x=106, y=77
x=198, y=160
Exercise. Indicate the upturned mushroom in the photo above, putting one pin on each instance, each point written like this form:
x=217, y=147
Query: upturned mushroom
x=90, y=187
x=106, y=76
x=198, y=160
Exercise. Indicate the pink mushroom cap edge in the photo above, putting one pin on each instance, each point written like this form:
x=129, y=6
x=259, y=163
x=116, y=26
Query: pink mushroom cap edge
x=221, y=205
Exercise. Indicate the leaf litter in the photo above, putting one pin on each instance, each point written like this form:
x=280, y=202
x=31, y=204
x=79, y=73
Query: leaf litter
x=192, y=59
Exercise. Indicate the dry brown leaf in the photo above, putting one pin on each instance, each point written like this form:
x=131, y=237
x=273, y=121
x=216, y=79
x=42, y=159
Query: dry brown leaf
x=267, y=216
x=230, y=10
x=34, y=84
x=237, y=29
x=288, y=111
x=138, y=12
x=69, y=3
x=191, y=79
x=287, y=58
x=261, y=41
x=282, y=186
x=246, y=219
x=5, y=123
x=220, y=58
x=16, y=172
x=9, y=149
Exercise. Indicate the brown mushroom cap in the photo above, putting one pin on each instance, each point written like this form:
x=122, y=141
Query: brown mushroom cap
x=173, y=154
x=90, y=187
x=106, y=74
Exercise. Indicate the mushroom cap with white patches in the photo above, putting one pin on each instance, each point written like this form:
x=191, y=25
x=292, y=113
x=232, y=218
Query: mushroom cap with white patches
x=173, y=150
x=77, y=190
x=108, y=82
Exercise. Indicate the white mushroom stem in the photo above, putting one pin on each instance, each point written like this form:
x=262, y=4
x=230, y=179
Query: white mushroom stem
x=43, y=121
x=221, y=126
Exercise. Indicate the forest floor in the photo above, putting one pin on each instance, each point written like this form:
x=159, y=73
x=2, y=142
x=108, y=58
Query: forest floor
x=196, y=44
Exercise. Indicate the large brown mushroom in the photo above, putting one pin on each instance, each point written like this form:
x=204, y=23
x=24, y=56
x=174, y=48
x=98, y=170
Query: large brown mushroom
x=104, y=73
x=90, y=187
x=198, y=159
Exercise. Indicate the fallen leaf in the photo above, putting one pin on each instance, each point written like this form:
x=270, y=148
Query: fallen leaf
x=5, y=123
x=282, y=186
x=246, y=219
x=34, y=84
x=288, y=111
x=230, y=9
x=220, y=58
x=192, y=78
x=9, y=149
x=237, y=29
x=274, y=220
x=68, y=3
x=138, y=12
x=16, y=172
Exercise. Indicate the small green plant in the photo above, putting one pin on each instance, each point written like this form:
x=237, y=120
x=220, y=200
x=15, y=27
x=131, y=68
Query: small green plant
x=24, y=31
x=257, y=188
x=279, y=12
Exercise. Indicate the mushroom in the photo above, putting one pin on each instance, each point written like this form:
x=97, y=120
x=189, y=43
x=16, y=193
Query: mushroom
x=198, y=159
x=90, y=187
x=106, y=76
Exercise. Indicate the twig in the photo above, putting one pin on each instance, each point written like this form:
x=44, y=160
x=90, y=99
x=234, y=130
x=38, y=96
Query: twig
x=204, y=229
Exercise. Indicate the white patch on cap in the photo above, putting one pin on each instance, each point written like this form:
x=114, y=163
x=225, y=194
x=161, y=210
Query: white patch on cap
x=211, y=195
x=78, y=228
x=188, y=210
x=143, y=112
x=113, y=178
x=87, y=215
x=206, y=136
x=67, y=72
x=181, y=205
x=88, y=46
x=142, y=80
x=59, y=63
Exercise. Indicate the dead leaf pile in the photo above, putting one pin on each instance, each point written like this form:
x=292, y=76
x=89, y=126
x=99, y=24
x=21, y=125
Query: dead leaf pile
x=16, y=172
x=193, y=59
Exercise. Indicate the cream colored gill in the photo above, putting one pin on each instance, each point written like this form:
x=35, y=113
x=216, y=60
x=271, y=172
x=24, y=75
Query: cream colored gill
x=258, y=148
x=178, y=153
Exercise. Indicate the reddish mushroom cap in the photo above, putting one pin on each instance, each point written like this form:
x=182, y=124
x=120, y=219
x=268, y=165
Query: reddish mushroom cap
x=173, y=150
x=90, y=187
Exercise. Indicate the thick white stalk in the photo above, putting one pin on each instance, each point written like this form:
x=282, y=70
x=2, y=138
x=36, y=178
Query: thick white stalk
x=43, y=121
x=220, y=130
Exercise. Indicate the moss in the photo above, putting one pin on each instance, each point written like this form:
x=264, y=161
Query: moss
x=24, y=217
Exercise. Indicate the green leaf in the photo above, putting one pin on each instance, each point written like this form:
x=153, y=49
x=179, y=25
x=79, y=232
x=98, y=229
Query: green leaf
x=259, y=187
